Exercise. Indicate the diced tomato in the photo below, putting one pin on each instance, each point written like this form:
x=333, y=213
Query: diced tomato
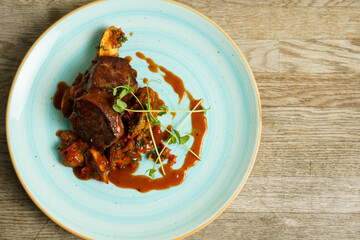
x=172, y=159
x=83, y=172
x=120, y=164
x=73, y=153
x=124, y=140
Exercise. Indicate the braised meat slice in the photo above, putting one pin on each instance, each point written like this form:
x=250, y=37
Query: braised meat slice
x=94, y=121
x=111, y=72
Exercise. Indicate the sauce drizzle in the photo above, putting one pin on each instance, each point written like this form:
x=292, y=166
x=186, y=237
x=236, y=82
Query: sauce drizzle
x=129, y=58
x=61, y=88
x=175, y=82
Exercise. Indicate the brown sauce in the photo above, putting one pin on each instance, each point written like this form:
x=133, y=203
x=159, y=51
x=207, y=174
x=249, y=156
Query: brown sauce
x=129, y=58
x=159, y=135
x=153, y=67
x=124, y=177
x=61, y=87
x=77, y=173
x=58, y=133
x=175, y=82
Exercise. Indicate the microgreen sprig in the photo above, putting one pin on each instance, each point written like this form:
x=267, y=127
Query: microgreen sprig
x=187, y=148
x=163, y=109
x=121, y=106
x=181, y=124
x=151, y=172
x=155, y=121
x=177, y=138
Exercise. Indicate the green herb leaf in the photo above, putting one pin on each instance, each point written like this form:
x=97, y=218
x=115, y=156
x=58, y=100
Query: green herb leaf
x=162, y=107
x=177, y=134
x=181, y=139
x=154, y=120
x=122, y=38
x=205, y=110
x=172, y=139
x=117, y=108
x=184, y=139
x=123, y=93
x=121, y=104
x=114, y=91
x=151, y=172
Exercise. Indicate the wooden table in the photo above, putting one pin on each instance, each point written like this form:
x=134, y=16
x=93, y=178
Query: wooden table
x=306, y=59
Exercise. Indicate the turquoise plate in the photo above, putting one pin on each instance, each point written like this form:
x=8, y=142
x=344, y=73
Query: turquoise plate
x=188, y=44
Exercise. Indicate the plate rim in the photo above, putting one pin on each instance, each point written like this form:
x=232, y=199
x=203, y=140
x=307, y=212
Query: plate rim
x=181, y=5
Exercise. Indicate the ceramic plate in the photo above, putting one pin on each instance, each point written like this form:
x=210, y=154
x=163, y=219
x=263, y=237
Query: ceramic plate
x=186, y=43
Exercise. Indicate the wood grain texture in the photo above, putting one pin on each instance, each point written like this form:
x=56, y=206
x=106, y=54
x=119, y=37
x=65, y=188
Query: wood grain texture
x=306, y=56
x=262, y=55
x=299, y=195
x=320, y=56
x=309, y=90
x=283, y=226
x=284, y=19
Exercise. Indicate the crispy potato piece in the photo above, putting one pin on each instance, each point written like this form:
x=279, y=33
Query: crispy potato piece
x=111, y=41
